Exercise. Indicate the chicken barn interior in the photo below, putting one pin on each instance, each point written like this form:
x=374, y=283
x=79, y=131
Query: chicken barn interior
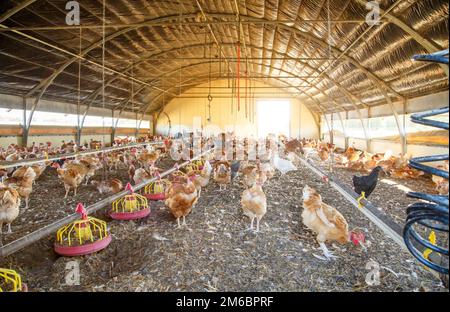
x=224, y=145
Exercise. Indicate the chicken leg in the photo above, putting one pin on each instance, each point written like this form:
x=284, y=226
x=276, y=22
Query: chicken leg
x=251, y=224
x=67, y=193
x=184, y=224
x=328, y=254
x=9, y=229
x=257, y=223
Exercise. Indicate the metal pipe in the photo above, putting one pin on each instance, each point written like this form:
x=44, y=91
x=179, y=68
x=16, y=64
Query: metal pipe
x=250, y=77
x=53, y=227
x=26, y=162
x=232, y=58
x=76, y=56
x=382, y=221
x=183, y=22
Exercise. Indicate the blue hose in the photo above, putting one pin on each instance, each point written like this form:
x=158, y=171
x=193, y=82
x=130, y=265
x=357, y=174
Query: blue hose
x=433, y=212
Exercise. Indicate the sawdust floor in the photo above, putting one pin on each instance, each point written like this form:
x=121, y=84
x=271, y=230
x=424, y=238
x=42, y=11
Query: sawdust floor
x=218, y=254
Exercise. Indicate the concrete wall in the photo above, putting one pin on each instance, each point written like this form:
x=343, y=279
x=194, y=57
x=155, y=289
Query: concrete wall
x=182, y=111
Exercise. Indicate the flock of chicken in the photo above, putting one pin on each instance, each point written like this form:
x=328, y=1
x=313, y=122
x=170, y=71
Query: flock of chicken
x=184, y=191
x=326, y=221
x=16, y=184
x=363, y=161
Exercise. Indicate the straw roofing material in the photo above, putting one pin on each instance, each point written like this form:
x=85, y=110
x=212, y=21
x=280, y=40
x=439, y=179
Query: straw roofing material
x=171, y=51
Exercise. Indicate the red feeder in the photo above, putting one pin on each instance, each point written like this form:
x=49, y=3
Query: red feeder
x=156, y=190
x=82, y=237
x=130, y=207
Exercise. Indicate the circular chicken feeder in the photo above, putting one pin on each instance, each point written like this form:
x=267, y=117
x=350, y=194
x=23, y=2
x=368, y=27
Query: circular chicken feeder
x=156, y=190
x=82, y=237
x=130, y=207
x=199, y=163
x=193, y=167
x=10, y=281
x=177, y=176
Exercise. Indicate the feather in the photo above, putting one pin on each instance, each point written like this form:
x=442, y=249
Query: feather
x=283, y=165
x=323, y=217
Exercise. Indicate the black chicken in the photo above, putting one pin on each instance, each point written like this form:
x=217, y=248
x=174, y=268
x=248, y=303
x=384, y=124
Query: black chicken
x=234, y=169
x=367, y=183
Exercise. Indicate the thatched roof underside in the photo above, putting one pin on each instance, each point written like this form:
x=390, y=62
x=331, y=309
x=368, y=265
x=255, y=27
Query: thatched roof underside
x=168, y=47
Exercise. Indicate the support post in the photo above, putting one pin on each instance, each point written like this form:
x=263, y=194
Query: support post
x=78, y=136
x=400, y=127
x=113, y=127
x=368, y=138
x=299, y=120
x=25, y=131
x=403, y=133
x=154, y=121
x=346, y=136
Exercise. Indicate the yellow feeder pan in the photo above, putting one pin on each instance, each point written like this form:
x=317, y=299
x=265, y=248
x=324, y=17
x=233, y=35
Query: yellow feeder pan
x=10, y=281
x=130, y=207
x=199, y=163
x=82, y=237
x=193, y=167
x=156, y=190
x=177, y=176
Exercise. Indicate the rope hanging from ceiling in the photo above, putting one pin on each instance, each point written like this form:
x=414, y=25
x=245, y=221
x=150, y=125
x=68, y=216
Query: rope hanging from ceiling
x=103, y=71
x=329, y=91
x=209, y=87
x=105, y=172
x=79, y=90
x=238, y=51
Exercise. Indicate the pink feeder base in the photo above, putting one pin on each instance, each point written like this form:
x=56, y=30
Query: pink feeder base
x=192, y=177
x=72, y=251
x=130, y=215
x=24, y=287
x=158, y=196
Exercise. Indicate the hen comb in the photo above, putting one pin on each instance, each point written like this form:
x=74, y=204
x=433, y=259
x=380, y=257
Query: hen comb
x=357, y=237
x=81, y=210
x=129, y=188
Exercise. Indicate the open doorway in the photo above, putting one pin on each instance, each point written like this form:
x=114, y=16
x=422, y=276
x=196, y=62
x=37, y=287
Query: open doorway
x=273, y=117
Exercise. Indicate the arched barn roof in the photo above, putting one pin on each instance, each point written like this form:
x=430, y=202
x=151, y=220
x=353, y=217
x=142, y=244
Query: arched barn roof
x=169, y=46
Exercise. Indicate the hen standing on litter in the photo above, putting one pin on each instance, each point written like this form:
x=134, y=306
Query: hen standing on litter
x=327, y=222
x=254, y=203
x=180, y=198
x=366, y=184
x=9, y=206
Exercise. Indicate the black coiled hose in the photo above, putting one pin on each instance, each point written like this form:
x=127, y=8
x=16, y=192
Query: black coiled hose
x=433, y=211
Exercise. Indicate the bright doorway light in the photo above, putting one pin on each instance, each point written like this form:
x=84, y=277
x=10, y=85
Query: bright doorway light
x=273, y=117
